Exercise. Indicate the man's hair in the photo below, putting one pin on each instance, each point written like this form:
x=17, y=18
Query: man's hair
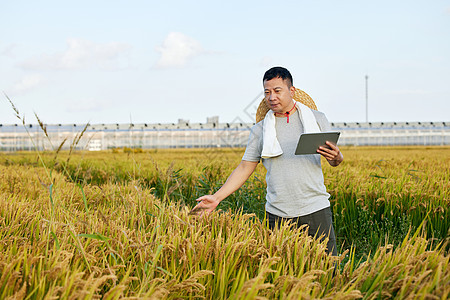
x=279, y=72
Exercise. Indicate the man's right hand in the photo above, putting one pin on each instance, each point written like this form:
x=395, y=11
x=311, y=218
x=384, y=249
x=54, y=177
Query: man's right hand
x=237, y=178
x=206, y=204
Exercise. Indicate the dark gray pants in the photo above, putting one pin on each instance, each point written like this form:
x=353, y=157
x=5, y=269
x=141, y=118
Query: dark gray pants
x=319, y=222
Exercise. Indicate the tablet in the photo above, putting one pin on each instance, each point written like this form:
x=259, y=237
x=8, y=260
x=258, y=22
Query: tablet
x=310, y=142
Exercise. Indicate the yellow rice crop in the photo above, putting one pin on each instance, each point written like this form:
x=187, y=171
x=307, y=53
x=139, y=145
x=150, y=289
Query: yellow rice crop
x=115, y=239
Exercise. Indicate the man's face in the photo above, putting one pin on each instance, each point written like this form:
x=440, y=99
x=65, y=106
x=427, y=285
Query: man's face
x=278, y=95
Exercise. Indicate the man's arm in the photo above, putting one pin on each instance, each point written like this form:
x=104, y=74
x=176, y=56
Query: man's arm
x=208, y=203
x=333, y=156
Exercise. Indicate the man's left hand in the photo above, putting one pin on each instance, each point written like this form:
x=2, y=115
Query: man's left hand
x=333, y=155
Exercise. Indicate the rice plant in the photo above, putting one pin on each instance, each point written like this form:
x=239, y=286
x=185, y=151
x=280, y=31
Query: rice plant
x=132, y=244
x=116, y=224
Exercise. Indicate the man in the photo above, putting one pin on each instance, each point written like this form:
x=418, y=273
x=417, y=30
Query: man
x=295, y=185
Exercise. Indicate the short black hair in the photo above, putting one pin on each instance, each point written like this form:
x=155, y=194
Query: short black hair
x=279, y=72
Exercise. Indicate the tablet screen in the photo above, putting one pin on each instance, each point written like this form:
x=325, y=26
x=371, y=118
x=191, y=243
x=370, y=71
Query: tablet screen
x=310, y=142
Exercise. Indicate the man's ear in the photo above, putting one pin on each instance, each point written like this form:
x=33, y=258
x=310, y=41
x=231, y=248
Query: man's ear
x=292, y=90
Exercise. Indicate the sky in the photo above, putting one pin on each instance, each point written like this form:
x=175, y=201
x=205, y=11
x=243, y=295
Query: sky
x=161, y=61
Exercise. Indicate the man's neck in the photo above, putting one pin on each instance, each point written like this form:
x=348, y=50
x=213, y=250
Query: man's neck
x=287, y=113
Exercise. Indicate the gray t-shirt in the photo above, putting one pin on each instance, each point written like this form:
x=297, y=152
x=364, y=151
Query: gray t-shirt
x=295, y=184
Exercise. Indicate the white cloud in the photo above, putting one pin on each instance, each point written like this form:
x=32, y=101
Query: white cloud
x=27, y=84
x=82, y=54
x=177, y=49
x=9, y=51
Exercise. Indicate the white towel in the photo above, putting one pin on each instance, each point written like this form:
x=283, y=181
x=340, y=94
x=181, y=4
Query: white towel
x=271, y=146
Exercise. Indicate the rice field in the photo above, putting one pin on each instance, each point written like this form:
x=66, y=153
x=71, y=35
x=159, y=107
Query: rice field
x=116, y=224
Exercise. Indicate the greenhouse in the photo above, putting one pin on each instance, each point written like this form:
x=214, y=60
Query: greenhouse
x=211, y=134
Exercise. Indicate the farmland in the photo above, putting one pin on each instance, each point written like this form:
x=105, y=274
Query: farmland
x=116, y=224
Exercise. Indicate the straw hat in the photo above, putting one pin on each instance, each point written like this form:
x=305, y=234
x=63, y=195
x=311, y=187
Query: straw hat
x=299, y=96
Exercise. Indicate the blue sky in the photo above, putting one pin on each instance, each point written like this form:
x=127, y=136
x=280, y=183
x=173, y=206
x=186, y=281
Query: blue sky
x=159, y=61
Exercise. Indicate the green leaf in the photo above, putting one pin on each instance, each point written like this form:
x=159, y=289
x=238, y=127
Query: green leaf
x=377, y=176
x=56, y=239
x=50, y=189
x=152, y=215
x=84, y=198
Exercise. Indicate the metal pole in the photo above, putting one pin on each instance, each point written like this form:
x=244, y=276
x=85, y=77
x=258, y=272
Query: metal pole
x=367, y=98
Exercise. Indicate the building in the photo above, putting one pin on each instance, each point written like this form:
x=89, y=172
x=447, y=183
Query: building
x=211, y=134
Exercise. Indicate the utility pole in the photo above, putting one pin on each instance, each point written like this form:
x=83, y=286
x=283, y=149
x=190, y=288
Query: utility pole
x=367, y=98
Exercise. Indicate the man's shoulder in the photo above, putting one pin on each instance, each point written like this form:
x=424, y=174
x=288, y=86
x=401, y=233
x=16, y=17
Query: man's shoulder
x=320, y=116
x=258, y=127
x=318, y=113
x=322, y=120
